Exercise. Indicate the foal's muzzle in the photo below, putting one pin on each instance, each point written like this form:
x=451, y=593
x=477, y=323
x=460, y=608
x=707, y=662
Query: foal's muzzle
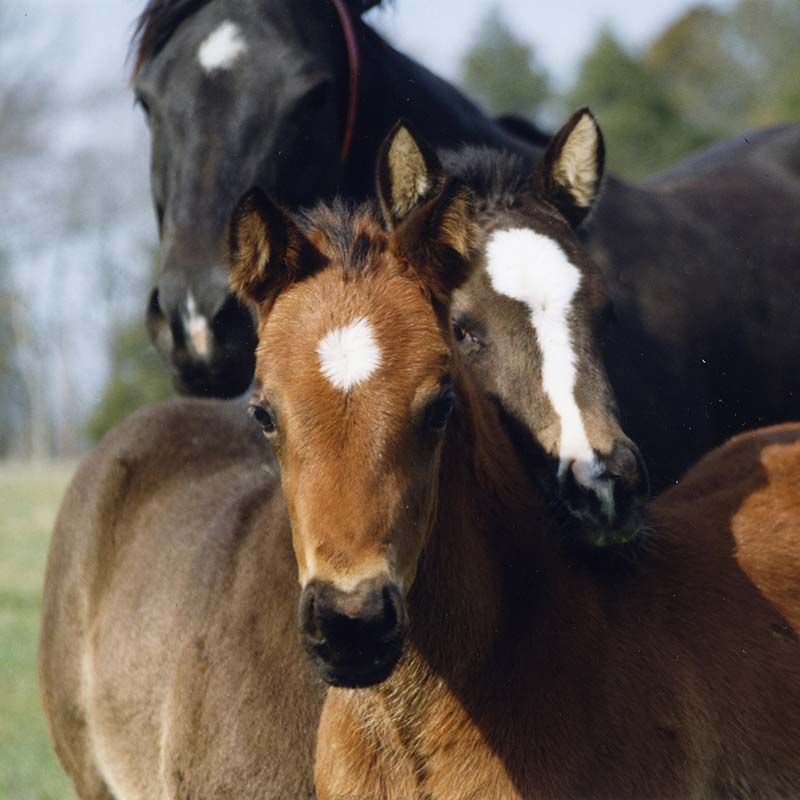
x=353, y=638
x=608, y=505
x=211, y=354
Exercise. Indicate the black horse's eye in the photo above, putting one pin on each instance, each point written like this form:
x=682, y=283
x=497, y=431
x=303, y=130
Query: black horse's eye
x=264, y=416
x=439, y=411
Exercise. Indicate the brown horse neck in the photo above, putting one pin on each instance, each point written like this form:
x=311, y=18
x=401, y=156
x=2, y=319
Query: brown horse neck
x=490, y=537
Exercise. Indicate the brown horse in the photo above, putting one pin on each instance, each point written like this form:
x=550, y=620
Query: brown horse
x=169, y=661
x=487, y=663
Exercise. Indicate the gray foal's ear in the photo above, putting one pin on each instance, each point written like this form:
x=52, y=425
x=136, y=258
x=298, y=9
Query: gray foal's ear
x=408, y=172
x=571, y=170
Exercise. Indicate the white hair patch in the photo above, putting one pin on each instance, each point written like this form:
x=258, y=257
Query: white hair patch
x=197, y=328
x=534, y=269
x=349, y=355
x=221, y=48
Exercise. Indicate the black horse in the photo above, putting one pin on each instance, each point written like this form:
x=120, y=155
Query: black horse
x=294, y=96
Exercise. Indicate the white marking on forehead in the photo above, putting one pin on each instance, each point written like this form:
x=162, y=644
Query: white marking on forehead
x=221, y=48
x=197, y=328
x=349, y=355
x=534, y=269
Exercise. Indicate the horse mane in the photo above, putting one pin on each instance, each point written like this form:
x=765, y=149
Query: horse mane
x=155, y=26
x=498, y=178
x=348, y=233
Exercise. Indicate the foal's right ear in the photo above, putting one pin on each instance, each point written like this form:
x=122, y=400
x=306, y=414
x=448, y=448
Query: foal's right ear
x=266, y=249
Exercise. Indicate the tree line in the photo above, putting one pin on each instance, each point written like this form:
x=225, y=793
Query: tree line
x=710, y=74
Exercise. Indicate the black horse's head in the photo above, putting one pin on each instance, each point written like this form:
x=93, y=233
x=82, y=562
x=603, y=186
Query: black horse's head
x=236, y=95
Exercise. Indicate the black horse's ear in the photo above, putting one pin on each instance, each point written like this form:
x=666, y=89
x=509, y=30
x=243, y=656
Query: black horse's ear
x=267, y=250
x=571, y=170
x=408, y=172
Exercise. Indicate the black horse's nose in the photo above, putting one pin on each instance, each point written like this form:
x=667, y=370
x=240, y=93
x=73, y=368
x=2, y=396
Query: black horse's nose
x=606, y=497
x=354, y=637
x=209, y=344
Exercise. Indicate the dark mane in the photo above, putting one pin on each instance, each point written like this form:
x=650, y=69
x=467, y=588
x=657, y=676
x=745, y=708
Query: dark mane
x=155, y=26
x=498, y=178
x=349, y=234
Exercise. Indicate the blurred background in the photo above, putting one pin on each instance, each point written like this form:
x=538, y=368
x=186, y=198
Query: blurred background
x=78, y=239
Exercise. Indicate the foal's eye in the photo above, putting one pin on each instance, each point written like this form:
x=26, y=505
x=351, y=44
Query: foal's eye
x=464, y=336
x=439, y=411
x=264, y=416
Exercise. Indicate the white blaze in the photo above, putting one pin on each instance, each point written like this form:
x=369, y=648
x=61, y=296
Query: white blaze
x=349, y=355
x=221, y=48
x=197, y=328
x=533, y=269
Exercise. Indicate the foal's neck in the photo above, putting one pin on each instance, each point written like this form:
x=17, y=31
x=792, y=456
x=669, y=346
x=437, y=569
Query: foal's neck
x=488, y=550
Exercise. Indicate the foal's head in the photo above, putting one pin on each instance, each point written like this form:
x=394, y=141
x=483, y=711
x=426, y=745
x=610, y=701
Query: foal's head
x=357, y=384
x=530, y=322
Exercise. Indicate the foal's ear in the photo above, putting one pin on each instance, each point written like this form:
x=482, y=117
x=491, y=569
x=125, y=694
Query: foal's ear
x=267, y=250
x=430, y=216
x=571, y=170
x=408, y=172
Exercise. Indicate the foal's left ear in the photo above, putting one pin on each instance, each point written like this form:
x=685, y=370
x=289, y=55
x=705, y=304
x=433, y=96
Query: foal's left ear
x=267, y=250
x=408, y=172
x=429, y=215
x=571, y=170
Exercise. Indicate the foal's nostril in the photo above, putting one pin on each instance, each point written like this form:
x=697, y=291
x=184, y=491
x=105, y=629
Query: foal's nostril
x=626, y=465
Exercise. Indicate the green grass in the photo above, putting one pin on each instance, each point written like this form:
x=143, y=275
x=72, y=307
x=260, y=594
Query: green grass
x=29, y=499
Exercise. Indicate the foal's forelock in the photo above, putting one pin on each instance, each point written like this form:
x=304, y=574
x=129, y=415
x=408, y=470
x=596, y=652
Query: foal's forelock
x=535, y=270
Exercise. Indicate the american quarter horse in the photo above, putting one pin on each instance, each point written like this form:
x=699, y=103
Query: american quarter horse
x=294, y=96
x=468, y=655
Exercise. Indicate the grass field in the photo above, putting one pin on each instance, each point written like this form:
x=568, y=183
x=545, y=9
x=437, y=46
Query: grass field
x=29, y=498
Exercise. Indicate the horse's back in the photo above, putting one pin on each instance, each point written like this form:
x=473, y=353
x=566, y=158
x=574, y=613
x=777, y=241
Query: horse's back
x=170, y=601
x=726, y=605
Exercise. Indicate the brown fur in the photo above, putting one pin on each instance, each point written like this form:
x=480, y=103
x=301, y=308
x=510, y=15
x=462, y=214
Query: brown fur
x=169, y=662
x=524, y=674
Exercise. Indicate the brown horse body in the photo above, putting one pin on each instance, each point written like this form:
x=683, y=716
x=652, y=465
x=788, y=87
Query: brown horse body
x=527, y=676
x=169, y=663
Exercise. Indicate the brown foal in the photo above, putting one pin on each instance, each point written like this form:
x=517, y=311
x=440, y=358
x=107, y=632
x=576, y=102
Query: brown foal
x=469, y=656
